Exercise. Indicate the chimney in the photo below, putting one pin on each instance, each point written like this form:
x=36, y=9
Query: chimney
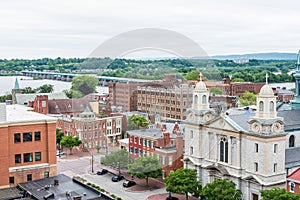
x=167, y=138
x=2, y=112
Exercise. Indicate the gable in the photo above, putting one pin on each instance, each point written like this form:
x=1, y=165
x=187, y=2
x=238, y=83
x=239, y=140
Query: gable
x=224, y=123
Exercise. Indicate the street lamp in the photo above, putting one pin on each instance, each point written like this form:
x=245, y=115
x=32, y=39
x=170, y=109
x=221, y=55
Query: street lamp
x=92, y=163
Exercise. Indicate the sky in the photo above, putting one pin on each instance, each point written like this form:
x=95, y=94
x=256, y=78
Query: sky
x=75, y=28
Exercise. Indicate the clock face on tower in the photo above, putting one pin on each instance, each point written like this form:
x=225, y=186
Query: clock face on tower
x=207, y=117
x=191, y=117
x=255, y=127
x=277, y=127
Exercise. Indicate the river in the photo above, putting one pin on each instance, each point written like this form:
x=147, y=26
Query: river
x=7, y=84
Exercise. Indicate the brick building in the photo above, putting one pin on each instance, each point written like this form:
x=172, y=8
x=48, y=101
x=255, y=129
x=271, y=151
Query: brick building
x=293, y=182
x=28, y=145
x=68, y=107
x=169, y=101
x=91, y=130
x=123, y=96
x=283, y=95
x=235, y=88
x=166, y=146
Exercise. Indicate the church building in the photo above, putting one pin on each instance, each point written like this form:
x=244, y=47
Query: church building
x=248, y=149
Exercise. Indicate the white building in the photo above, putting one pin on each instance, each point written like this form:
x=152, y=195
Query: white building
x=247, y=149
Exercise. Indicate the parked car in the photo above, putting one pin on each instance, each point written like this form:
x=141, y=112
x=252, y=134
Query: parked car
x=101, y=171
x=128, y=183
x=117, y=178
x=59, y=153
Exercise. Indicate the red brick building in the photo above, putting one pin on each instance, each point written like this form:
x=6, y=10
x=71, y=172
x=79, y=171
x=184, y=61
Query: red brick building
x=166, y=146
x=91, y=130
x=293, y=182
x=28, y=145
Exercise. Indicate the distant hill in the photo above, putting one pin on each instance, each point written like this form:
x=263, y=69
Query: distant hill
x=259, y=56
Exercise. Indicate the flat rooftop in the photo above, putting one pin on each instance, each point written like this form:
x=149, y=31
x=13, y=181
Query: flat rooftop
x=42, y=188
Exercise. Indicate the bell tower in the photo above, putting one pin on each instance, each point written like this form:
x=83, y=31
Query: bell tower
x=200, y=95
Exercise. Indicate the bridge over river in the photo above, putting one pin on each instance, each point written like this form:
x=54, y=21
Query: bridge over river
x=103, y=80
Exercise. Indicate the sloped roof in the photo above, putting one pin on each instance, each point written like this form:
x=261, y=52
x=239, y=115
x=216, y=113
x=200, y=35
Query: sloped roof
x=23, y=99
x=59, y=106
x=292, y=157
x=295, y=175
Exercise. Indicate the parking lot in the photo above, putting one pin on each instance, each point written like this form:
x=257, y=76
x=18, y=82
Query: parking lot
x=104, y=181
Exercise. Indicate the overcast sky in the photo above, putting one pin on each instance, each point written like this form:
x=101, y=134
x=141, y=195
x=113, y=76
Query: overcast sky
x=73, y=28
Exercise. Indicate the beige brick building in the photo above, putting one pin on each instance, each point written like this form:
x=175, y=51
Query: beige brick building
x=170, y=102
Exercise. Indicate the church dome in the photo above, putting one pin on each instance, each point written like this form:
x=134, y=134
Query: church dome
x=266, y=90
x=200, y=86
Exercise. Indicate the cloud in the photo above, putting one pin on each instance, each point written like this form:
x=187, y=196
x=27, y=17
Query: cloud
x=74, y=28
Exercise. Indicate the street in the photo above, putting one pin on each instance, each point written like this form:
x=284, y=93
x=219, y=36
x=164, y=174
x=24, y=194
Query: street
x=82, y=166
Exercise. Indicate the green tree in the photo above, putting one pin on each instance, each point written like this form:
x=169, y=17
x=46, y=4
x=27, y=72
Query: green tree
x=183, y=181
x=278, y=194
x=5, y=97
x=46, y=88
x=192, y=75
x=84, y=84
x=221, y=189
x=216, y=90
x=139, y=121
x=28, y=90
x=59, y=135
x=117, y=159
x=73, y=93
x=248, y=98
x=238, y=80
x=70, y=142
x=145, y=167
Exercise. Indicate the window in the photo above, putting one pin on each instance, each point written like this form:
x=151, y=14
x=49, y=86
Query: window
x=29, y=177
x=27, y=157
x=256, y=148
x=18, y=158
x=271, y=106
x=11, y=180
x=131, y=150
x=292, y=187
x=275, y=148
x=170, y=160
x=163, y=160
x=38, y=156
x=195, y=101
x=46, y=174
x=224, y=150
x=261, y=106
x=256, y=166
x=27, y=137
x=191, y=150
x=292, y=141
x=17, y=137
x=192, y=134
x=204, y=99
x=37, y=136
x=275, y=167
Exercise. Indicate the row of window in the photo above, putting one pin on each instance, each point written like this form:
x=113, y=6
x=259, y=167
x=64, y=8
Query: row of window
x=275, y=148
x=27, y=137
x=28, y=157
x=146, y=143
x=161, y=158
x=256, y=167
x=29, y=177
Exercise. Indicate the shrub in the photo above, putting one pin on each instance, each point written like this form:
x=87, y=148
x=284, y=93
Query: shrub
x=88, y=183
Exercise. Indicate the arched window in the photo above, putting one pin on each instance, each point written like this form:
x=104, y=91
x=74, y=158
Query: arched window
x=271, y=106
x=292, y=141
x=224, y=150
x=261, y=106
x=204, y=99
x=196, y=100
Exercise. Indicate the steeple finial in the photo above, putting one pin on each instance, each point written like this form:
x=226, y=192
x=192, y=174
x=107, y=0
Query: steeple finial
x=200, y=76
x=267, y=76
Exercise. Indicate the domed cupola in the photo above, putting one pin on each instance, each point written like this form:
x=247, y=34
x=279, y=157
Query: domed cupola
x=200, y=95
x=266, y=102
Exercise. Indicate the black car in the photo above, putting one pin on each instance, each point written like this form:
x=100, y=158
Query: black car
x=101, y=171
x=128, y=183
x=117, y=178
